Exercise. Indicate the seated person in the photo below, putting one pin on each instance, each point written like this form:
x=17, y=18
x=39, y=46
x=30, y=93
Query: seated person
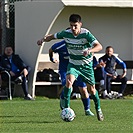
x=109, y=62
x=16, y=68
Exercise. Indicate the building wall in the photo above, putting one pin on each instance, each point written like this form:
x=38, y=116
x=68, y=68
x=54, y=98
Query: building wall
x=111, y=26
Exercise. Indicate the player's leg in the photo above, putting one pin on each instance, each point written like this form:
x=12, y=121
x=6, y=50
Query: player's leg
x=67, y=89
x=72, y=74
x=88, y=75
x=63, y=82
x=85, y=100
x=84, y=95
x=96, y=99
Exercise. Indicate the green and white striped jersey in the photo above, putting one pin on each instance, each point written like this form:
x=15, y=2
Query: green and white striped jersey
x=77, y=44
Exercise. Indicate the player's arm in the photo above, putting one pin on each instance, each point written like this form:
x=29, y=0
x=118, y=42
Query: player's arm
x=46, y=38
x=55, y=49
x=96, y=48
x=94, y=43
x=51, y=56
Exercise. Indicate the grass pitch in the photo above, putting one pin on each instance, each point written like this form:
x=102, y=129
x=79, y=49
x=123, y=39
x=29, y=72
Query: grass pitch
x=43, y=116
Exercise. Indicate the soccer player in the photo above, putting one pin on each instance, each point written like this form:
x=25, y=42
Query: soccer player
x=61, y=49
x=80, y=45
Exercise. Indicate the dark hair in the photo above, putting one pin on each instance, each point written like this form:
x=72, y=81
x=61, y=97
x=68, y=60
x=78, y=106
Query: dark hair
x=109, y=47
x=75, y=18
x=7, y=46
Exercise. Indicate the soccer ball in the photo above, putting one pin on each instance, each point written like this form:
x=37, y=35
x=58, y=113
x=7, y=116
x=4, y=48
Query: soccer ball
x=67, y=114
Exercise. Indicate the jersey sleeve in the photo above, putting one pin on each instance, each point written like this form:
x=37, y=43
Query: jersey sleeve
x=59, y=35
x=91, y=38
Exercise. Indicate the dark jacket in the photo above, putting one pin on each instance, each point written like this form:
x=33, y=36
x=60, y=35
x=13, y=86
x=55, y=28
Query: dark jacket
x=111, y=63
x=6, y=65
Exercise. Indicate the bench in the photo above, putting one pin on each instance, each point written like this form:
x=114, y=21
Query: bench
x=44, y=62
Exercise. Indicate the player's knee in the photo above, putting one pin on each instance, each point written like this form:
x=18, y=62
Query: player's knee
x=92, y=89
x=69, y=83
x=84, y=92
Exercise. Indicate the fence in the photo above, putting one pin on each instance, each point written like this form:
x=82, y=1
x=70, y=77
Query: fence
x=7, y=23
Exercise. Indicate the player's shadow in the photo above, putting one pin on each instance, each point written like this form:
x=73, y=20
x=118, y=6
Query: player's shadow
x=14, y=119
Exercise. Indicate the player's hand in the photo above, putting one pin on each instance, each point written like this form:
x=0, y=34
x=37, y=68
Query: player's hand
x=55, y=60
x=39, y=42
x=86, y=52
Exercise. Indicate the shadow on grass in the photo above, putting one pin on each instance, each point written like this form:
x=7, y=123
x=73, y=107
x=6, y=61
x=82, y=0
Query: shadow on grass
x=11, y=120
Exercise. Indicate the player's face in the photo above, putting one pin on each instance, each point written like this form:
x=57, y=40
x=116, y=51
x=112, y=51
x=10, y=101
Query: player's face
x=75, y=27
x=109, y=51
x=8, y=51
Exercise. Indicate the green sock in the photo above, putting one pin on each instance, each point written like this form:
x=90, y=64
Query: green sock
x=96, y=100
x=67, y=94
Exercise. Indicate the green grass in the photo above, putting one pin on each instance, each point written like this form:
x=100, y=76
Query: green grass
x=43, y=116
